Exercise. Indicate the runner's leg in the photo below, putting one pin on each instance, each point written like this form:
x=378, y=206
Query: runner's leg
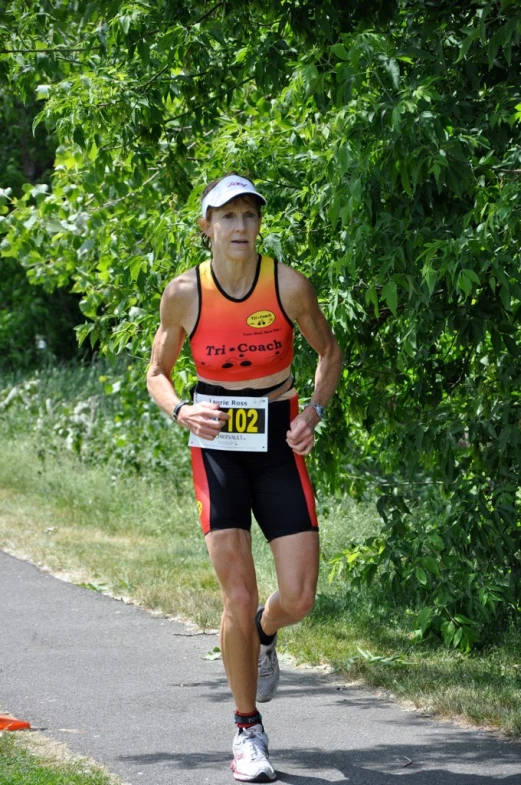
x=296, y=562
x=230, y=553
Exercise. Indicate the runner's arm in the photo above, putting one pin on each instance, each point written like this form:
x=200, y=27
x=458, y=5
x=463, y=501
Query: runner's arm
x=302, y=306
x=203, y=419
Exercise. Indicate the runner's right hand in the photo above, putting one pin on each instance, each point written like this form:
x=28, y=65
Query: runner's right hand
x=205, y=420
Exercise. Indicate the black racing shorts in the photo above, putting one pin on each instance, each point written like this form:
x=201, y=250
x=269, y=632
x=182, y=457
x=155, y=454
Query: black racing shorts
x=273, y=485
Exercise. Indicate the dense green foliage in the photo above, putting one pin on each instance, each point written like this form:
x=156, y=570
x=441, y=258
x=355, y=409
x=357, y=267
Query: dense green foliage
x=36, y=326
x=385, y=136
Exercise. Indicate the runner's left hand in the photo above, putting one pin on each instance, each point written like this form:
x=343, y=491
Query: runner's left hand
x=301, y=436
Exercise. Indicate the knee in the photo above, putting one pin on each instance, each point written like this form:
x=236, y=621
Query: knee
x=240, y=603
x=298, y=605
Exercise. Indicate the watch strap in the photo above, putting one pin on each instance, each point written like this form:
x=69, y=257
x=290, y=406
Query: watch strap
x=319, y=410
x=175, y=413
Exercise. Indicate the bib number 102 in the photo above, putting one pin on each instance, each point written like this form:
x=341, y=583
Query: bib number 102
x=245, y=421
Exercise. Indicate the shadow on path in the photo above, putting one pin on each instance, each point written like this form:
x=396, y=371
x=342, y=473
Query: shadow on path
x=433, y=763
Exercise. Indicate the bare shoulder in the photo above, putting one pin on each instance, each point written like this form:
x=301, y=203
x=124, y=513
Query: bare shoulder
x=179, y=299
x=296, y=292
x=182, y=287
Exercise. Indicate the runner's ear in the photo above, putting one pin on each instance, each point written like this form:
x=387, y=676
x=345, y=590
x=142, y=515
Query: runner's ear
x=205, y=226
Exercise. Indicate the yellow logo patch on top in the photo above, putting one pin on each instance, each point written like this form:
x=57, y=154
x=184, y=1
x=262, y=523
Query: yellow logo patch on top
x=260, y=319
x=199, y=507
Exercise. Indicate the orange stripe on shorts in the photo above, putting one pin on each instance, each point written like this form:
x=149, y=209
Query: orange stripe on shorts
x=202, y=491
x=303, y=472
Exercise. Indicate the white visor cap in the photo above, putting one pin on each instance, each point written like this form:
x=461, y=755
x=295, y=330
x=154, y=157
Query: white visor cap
x=229, y=188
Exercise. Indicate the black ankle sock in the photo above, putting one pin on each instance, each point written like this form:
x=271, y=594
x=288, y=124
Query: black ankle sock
x=247, y=720
x=264, y=639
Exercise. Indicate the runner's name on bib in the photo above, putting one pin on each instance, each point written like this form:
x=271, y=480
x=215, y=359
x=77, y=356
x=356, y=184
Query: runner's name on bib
x=246, y=430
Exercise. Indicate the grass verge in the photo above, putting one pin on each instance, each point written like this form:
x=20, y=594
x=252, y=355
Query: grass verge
x=31, y=759
x=140, y=538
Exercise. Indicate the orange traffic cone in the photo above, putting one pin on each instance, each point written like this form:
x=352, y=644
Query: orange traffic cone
x=11, y=723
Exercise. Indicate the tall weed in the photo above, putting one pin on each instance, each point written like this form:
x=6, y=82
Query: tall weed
x=99, y=413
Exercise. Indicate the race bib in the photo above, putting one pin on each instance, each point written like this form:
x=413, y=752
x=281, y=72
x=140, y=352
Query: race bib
x=245, y=431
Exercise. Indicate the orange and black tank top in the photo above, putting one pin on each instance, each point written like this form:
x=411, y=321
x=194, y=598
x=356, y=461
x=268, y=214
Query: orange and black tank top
x=240, y=339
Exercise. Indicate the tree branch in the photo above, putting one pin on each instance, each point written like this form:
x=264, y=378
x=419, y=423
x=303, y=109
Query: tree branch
x=215, y=98
x=113, y=202
x=207, y=14
x=180, y=116
x=198, y=75
x=153, y=78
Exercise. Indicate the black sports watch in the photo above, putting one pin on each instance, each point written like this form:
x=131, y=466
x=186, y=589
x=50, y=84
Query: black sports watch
x=319, y=410
x=175, y=413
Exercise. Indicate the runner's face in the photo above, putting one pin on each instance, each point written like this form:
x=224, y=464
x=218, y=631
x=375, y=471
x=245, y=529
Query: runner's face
x=234, y=227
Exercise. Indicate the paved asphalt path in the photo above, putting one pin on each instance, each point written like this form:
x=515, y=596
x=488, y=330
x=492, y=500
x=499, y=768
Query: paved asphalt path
x=135, y=692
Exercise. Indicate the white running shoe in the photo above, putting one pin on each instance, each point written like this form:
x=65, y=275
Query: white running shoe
x=250, y=756
x=269, y=673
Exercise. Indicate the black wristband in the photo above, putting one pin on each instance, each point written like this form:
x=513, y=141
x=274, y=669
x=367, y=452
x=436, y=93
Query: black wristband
x=175, y=413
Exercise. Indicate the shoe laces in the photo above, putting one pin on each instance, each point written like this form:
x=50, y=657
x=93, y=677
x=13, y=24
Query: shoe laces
x=254, y=741
x=266, y=662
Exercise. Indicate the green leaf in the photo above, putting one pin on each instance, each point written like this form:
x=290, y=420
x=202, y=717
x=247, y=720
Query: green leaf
x=273, y=246
x=340, y=51
x=242, y=54
x=467, y=43
x=471, y=275
x=431, y=565
x=124, y=22
x=404, y=176
x=393, y=69
x=143, y=49
x=390, y=295
x=424, y=619
x=372, y=297
x=464, y=283
x=496, y=42
x=431, y=278
x=462, y=619
x=457, y=637
x=448, y=630
x=413, y=52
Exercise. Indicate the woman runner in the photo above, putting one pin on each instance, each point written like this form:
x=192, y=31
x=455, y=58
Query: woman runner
x=248, y=438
